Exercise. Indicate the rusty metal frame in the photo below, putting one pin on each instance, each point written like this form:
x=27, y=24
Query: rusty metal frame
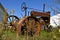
x=42, y=14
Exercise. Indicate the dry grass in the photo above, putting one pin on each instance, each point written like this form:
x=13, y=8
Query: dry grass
x=44, y=35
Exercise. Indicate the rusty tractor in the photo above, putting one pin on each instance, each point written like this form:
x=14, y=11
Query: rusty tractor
x=30, y=25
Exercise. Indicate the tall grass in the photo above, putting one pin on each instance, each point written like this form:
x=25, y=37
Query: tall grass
x=44, y=35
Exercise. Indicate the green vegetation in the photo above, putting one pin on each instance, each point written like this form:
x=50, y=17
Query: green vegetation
x=44, y=35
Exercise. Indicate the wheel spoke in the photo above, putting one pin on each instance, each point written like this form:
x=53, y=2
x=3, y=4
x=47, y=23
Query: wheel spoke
x=12, y=18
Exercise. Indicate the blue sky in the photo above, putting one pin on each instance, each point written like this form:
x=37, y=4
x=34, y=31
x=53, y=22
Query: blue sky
x=36, y=4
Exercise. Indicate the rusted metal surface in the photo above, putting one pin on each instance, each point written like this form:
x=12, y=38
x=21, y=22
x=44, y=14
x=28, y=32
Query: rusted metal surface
x=43, y=14
x=18, y=25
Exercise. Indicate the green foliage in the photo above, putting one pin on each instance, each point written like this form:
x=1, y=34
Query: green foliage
x=44, y=35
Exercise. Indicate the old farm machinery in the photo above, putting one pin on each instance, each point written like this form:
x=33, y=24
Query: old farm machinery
x=30, y=25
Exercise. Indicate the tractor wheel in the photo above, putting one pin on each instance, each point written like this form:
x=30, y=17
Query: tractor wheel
x=11, y=20
x=31, y=26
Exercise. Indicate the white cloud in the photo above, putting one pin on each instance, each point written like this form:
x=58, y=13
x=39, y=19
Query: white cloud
x=55, y=19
